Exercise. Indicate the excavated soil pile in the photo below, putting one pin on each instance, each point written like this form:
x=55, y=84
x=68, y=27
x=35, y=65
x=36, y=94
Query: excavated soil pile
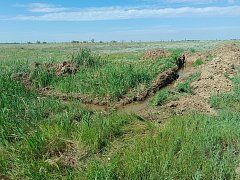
x=192, y=57
x=23, y=78
x=65, y=68
x=153, y=54
x=164, y=79
x=61, y=69
x=214, y=80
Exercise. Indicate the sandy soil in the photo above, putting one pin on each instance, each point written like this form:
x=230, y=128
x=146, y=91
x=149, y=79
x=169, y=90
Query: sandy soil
x=214, y=80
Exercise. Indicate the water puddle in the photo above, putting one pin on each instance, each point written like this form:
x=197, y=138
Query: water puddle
x=135, y=107
x=185, y=70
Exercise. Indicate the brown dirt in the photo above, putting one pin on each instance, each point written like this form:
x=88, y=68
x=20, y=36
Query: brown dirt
x=212, y=81
x=153, y=54
x=23, y=78
x=69, y=156
x=192, y=57
x=65, y=68
x=76, y=96
x=3, y=177
x=61, y=69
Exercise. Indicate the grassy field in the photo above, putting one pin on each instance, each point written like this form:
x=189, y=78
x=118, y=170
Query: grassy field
x=112, y=79
x=46, y=138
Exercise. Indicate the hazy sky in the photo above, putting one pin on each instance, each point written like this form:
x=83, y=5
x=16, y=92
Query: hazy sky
x=145, y=20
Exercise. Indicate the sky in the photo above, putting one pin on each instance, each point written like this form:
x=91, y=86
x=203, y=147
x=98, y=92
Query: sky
x=121, y=20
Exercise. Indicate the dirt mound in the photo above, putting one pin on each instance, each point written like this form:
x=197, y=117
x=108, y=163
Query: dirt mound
x=220, y=51
x=68, y=96
x=164, y=79
x=153, y=54
x=23, y=78
x=214, y=80
x=61, y=69
x=192, y=57
x=65, y=68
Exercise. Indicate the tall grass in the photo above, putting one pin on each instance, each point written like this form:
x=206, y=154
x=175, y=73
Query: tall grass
x=84, y=57
x=37, y=132
x=187, y=147
x=161, y=97
x=41, y=76
x=111, y=79
x=20, y=108
x=44, y=138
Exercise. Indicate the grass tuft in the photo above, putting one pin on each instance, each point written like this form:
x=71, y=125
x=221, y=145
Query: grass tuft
x=185, y=86
x=198, y=62
x=161, y=97
x=85, y=58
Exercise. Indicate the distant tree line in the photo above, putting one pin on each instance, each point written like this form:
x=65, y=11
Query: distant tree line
x=114, y=41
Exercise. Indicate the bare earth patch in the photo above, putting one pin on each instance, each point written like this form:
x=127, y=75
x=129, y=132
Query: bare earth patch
x=158, y=53
x=214, y=80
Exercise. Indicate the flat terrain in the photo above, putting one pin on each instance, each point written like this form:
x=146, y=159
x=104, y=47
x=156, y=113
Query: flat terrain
x=120, y=110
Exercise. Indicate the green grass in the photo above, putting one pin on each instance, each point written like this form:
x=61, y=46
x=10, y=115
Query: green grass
x=84, y=58
x=184, y=87
x=104, y=79
x=187, y=147
x=161, y=97
x=198, y=62
x=36, y=131
x=45, y=138
x=42, y=77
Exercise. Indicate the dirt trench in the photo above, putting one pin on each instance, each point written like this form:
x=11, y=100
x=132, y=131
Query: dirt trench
x=142, y=108
x=215, y=75
x=161, y=81
x=125, y=104
x=212, y=81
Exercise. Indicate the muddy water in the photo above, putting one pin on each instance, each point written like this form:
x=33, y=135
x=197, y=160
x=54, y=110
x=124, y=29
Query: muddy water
x=95, y=107
x=135, y=107
x=184, y=70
